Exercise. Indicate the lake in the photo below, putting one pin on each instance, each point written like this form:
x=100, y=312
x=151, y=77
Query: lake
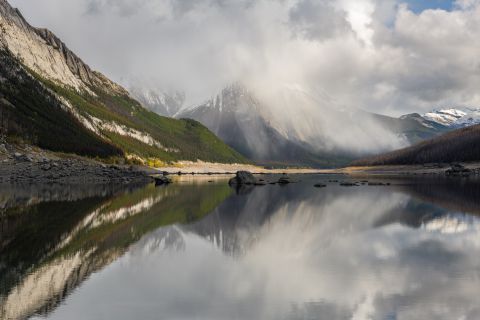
x=198, y=249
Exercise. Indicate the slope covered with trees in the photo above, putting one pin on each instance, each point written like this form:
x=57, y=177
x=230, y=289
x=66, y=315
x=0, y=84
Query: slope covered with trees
x=461, y=145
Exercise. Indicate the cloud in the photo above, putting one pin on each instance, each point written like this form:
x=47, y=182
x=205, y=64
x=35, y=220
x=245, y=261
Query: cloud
x=318, y=20
x=376, y=55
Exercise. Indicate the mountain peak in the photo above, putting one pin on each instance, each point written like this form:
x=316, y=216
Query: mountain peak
x=455, y=117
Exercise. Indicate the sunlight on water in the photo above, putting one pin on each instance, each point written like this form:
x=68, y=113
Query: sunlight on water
x=200, y=251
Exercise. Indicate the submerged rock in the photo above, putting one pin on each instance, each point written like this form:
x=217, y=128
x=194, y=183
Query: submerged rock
x=320, y=185
x=243, y=178
x=284, y=180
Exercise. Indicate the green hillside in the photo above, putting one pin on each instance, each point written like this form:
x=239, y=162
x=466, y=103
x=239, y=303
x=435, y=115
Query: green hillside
x=31, y=111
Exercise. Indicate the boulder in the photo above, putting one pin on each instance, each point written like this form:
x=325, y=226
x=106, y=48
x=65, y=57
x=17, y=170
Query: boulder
x=22, y=157
x=243, y=178
x=162, y=180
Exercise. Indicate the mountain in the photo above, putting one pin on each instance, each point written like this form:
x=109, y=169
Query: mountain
x=455, y=117
x=163, y=103
x=461, y=145
x=292, y=131
x=240, y=120
x=413, y=126
x=50, y=98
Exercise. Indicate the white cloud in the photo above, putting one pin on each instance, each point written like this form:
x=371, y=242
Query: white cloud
x=425, y=59
x=369, y=54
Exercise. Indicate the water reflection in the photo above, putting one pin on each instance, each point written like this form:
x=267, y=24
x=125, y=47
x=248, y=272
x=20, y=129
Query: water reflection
x=50, y=246
x=198, y=251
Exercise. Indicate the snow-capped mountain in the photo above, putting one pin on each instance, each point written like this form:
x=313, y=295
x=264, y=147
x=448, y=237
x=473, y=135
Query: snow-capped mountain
x=455, y=117
x=165, y=103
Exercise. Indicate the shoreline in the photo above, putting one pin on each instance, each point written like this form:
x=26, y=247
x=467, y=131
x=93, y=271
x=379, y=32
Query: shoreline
x=31, y=164
x=210, y=168
x=405, y=170
x=34, y=165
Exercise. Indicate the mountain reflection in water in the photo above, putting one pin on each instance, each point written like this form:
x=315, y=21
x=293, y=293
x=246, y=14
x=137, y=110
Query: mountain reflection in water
x=197, y=250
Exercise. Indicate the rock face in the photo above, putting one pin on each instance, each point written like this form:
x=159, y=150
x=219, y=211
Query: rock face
x=242, y=178
x=74, y=63
x=43, y=52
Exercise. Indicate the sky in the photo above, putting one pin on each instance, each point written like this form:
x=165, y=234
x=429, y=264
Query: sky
x=388, y=56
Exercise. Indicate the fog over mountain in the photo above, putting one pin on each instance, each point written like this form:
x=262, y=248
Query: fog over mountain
x=383, y=56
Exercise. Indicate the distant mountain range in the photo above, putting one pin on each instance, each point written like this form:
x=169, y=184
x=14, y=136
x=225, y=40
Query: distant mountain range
x=455, y=117
x=246, y=124
x=165, y=103
x=50, y=98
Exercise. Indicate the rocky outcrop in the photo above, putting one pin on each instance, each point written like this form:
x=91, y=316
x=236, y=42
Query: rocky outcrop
x=39, y=55
x=74, y=63
x=43, y=52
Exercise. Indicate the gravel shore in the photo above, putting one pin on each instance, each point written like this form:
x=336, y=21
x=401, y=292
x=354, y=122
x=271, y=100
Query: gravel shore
x=20, y=165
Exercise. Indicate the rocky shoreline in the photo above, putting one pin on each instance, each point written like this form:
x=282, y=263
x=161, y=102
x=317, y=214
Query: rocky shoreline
x=28, y=165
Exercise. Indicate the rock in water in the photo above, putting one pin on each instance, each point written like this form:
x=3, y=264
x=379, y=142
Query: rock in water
x=320, y=185
x=285, y=180
x=159, y=181
x=243, y=177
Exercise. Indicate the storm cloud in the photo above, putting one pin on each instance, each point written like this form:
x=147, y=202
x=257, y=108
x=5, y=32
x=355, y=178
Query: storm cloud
x=375, y=55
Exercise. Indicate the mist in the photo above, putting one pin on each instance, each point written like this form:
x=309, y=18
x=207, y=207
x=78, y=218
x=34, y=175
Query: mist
x=378, y=56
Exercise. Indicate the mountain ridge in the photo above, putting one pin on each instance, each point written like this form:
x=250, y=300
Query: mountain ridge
x=56, y=84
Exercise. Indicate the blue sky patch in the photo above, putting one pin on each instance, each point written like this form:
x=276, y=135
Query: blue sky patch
x=420, y=5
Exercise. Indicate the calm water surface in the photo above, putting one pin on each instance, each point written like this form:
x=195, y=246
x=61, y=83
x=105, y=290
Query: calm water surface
x=200, y=250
